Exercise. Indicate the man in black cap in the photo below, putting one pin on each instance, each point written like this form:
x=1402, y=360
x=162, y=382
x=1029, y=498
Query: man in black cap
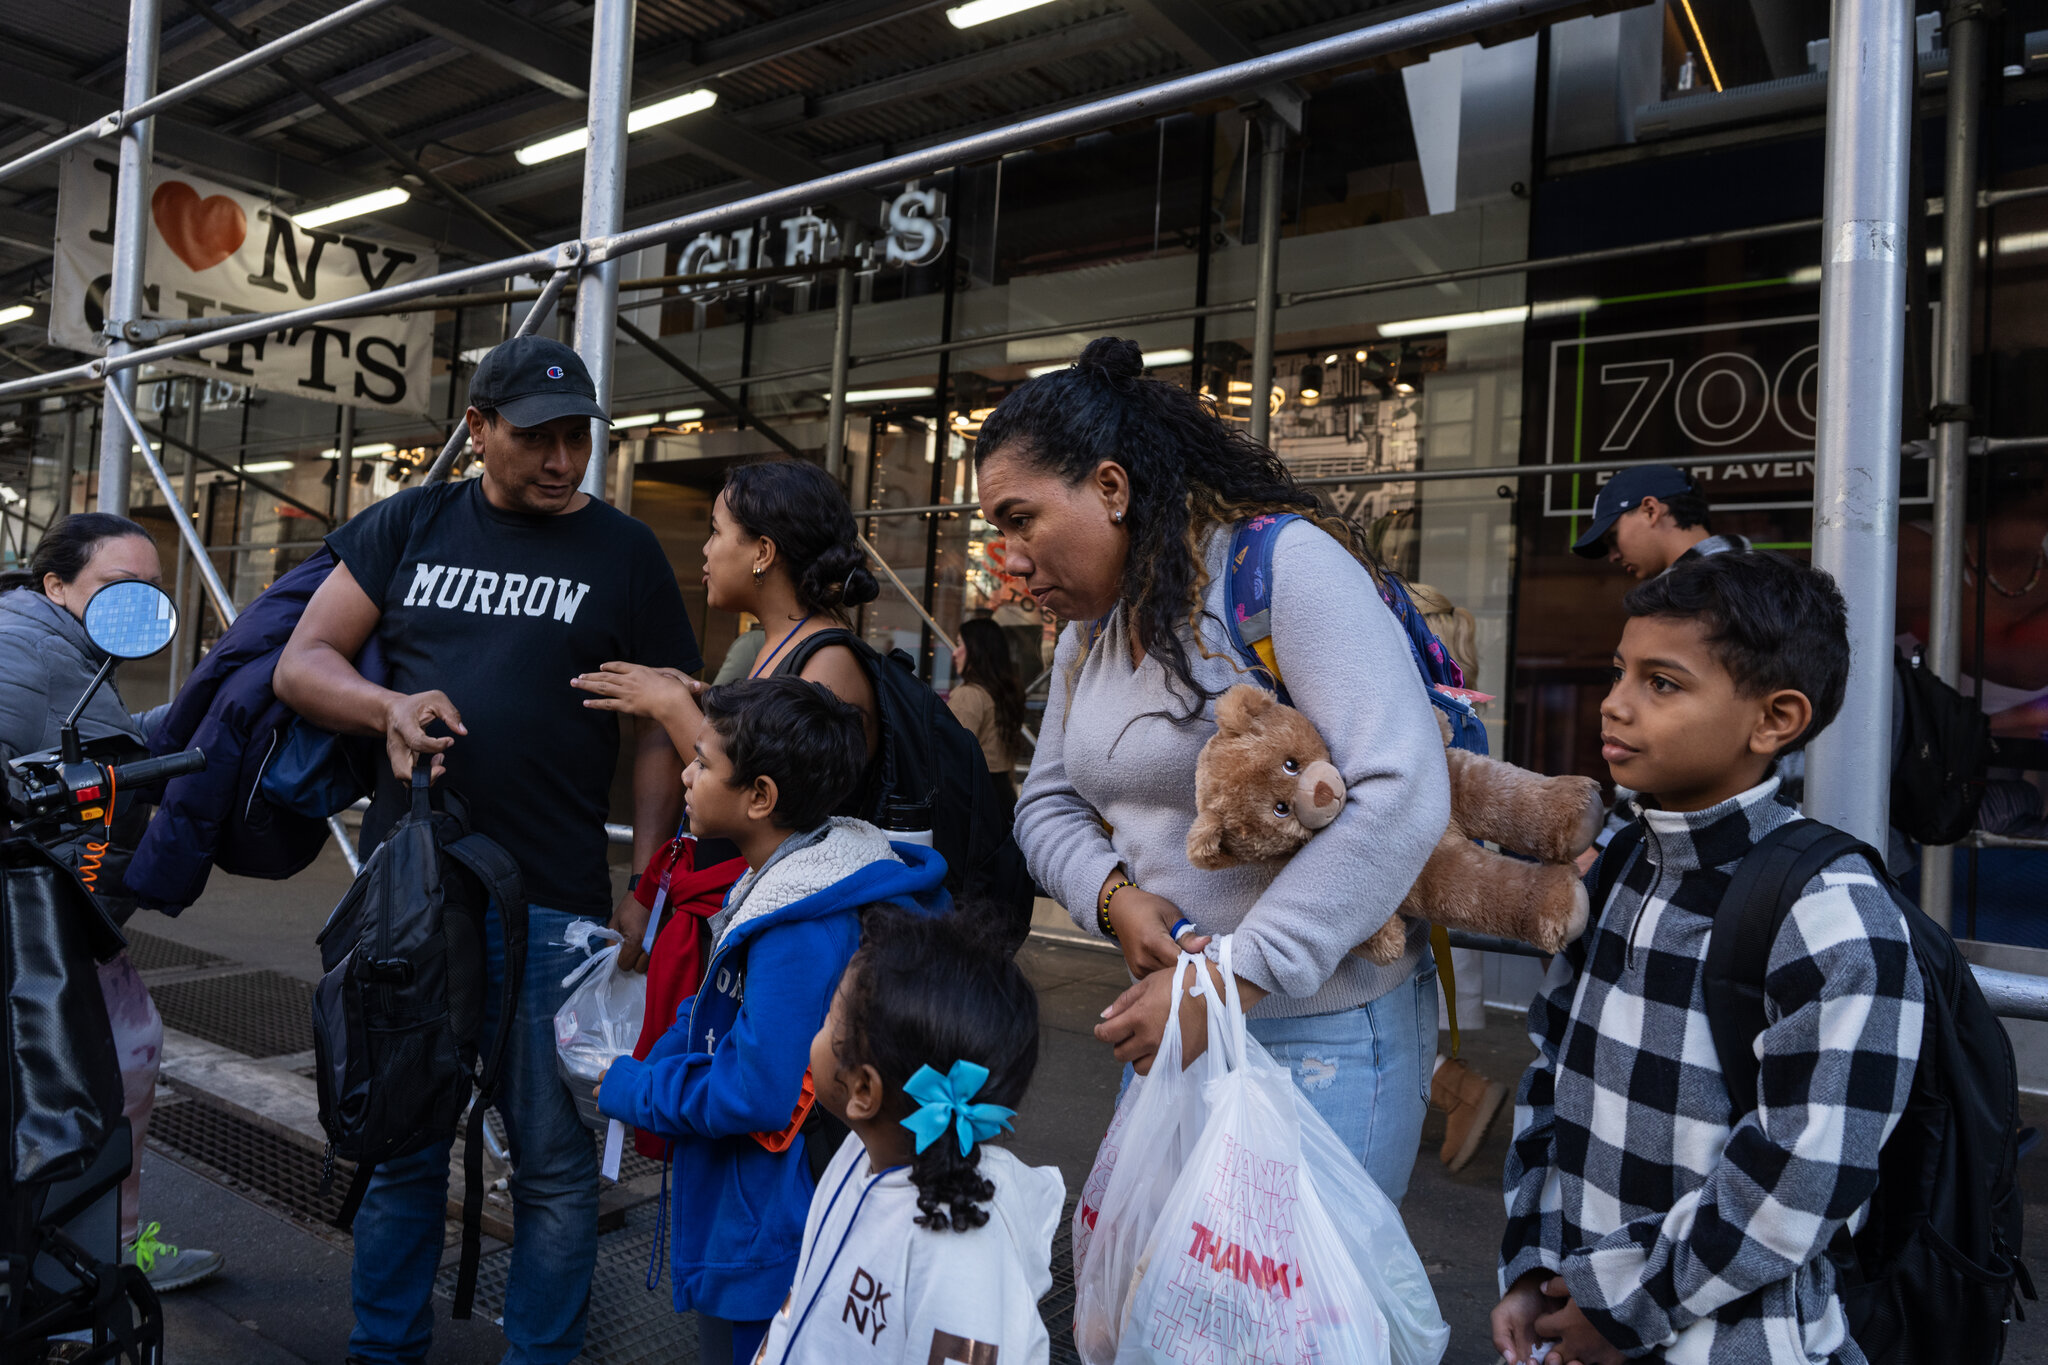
x=488, y=595
x=1648, y=518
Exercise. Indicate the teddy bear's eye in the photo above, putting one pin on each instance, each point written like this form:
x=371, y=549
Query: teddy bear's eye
x=1290, y=767
x=1281, y=809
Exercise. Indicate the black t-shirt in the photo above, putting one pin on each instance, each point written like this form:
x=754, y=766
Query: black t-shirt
x=499, y=610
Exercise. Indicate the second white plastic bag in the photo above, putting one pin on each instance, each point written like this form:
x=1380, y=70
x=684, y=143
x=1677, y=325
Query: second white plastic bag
x=1246, y=1262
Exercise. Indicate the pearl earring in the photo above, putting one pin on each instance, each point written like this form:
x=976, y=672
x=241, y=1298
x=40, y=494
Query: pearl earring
x=759, y=574
x=1116, y=518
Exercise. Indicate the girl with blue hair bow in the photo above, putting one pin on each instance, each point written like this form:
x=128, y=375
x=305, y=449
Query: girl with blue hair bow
x=924, y=1242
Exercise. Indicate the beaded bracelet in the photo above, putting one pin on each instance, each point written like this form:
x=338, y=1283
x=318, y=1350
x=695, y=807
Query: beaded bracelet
x=1102, y=910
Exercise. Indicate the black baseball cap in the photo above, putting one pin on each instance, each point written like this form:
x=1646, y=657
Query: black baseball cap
x=1620, y=493
x=531, y=380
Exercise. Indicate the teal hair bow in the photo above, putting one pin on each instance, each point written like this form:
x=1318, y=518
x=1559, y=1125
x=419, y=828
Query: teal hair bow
x=945, y=1105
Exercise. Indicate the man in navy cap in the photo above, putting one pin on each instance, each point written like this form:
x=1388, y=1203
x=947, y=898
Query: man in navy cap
x=488, y=595
x=1648, y=518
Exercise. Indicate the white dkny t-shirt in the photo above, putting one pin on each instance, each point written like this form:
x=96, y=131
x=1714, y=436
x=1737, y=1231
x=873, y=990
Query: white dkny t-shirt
x=874, y=1287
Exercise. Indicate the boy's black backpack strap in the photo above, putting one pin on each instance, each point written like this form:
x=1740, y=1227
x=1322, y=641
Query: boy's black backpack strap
x=1613, y=859
x=1761, y=894
x=499, y=874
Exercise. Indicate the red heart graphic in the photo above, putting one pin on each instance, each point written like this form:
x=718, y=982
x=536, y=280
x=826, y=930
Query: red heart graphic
x=203, y=232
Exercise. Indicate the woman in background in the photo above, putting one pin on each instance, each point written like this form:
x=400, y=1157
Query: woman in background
x=46, y=663
x=988, y=701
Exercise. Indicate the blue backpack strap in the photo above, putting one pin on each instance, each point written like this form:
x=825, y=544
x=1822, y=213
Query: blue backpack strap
x=1248, y=617
x=1248, y=597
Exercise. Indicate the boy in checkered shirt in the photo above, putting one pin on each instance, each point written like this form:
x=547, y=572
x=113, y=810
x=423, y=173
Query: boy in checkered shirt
x=1643, y=1218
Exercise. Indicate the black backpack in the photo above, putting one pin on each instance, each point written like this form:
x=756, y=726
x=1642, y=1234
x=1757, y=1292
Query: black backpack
x=929, y=773
x=1936, y=1270
x=398, y=1014
x=1944, y=745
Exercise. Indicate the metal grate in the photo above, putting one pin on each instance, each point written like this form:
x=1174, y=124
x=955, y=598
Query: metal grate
x=258, y=1014
x=629, y=1323
x=152, y=954
x=1057, y=1307
x=247, y=1157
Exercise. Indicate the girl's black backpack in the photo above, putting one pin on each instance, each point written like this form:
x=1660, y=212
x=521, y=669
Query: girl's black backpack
x=1935, y=1273
x=398, y=1014
x=929, y=773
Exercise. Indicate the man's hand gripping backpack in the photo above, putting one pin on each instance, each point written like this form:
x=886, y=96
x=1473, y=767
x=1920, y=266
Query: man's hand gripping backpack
x=397, y=1017
x=1936, y=1271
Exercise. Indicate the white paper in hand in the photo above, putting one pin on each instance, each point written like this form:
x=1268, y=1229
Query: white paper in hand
x=614, y=1143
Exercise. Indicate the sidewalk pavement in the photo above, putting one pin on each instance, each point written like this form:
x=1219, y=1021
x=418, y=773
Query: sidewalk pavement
x=284, y=1295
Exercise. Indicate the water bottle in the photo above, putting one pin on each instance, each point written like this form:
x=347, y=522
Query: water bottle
x=906, y=821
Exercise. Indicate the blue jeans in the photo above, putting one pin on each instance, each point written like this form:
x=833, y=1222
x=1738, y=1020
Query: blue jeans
x=1367, y=1072
x=401, y=1228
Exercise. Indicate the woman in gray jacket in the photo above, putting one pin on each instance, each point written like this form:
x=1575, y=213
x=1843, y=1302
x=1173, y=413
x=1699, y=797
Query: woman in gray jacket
x=1116, y=496
x=46, y=663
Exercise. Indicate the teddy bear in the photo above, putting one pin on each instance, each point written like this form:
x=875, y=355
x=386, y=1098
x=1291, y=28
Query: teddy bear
x=1264, y=784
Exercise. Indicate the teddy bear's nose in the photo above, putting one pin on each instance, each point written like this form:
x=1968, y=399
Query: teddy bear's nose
x=1320, y=795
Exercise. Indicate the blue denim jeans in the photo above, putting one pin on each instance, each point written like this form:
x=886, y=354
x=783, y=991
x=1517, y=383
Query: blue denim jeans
x=1367, y=1072
x=401, y=1227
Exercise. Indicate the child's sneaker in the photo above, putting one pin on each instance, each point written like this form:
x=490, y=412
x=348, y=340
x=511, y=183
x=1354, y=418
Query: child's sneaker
x=1472, y=1103
x=167, y=1267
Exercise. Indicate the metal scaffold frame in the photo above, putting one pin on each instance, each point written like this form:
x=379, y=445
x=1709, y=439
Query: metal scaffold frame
x=1861, y=351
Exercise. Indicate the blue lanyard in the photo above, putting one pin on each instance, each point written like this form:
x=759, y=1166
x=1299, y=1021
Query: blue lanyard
x=778, y=649
x=820, y=1288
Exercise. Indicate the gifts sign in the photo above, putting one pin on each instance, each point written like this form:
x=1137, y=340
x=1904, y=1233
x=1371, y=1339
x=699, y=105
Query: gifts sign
x=215, y=250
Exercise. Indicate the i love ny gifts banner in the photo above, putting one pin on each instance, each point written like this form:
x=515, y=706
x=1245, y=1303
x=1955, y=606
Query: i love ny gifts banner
x=214, y=250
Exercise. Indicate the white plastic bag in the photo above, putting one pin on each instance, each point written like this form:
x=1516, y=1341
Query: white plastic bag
x=600, y=1021
x=1372, y=1228
x=1156, y=1126
x=1246, y=1262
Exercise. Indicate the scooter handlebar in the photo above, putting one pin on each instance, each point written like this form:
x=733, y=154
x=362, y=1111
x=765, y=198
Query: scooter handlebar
x=146, y=771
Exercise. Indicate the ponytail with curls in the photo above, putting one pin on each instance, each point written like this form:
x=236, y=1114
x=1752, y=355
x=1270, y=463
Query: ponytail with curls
x=1190, y=473
x=801, y=508
x=933, y=990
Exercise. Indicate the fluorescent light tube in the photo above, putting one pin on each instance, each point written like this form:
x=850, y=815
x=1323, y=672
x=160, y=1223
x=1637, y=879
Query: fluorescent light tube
x=888, y=395
x=645, y=419
x=362, y=452
x=683, y=415
x=18, y=313
x=983, y=11
x=1153, y=359
x=267, y=467
x=342, y=210
x=639, y=120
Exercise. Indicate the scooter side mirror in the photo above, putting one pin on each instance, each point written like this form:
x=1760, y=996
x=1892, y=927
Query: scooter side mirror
x=131, y=619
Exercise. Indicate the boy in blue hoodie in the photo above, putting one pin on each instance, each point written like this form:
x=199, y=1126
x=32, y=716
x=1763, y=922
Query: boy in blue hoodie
x=728, y=1083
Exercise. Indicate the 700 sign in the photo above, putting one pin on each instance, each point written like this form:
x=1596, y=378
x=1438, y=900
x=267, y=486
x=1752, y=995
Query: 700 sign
x=1669, y=395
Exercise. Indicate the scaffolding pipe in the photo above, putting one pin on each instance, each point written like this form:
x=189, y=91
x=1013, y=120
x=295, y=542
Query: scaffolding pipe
x=189, y=533
x=1862, y=371
x=1266, y=311
x=131, y=241
x=1965, y=31
x=344, y=460
x=604, y=208
x=1499, y=471
x=842, y=341
x=133, y=110
x=188, y=486
x=938, y=631
x=66, y=462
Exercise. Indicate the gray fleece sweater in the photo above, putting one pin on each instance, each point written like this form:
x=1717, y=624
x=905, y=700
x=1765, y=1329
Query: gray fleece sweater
x=1108, y=755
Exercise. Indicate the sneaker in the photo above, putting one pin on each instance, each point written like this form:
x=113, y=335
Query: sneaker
x=167, y=1267
x=1472, y=1103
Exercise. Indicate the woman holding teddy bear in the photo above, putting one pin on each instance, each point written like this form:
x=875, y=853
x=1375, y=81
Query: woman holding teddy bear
x=1117, y=496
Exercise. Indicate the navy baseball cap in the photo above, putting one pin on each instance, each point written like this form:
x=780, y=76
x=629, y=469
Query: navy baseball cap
x=1623, y=491
x=531, y=380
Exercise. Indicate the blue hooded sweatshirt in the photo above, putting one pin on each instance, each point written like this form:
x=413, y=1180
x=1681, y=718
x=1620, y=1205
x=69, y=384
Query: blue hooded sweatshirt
x=733, y=1063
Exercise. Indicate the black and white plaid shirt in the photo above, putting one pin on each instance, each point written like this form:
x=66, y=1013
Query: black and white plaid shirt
x=1674, y=1231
